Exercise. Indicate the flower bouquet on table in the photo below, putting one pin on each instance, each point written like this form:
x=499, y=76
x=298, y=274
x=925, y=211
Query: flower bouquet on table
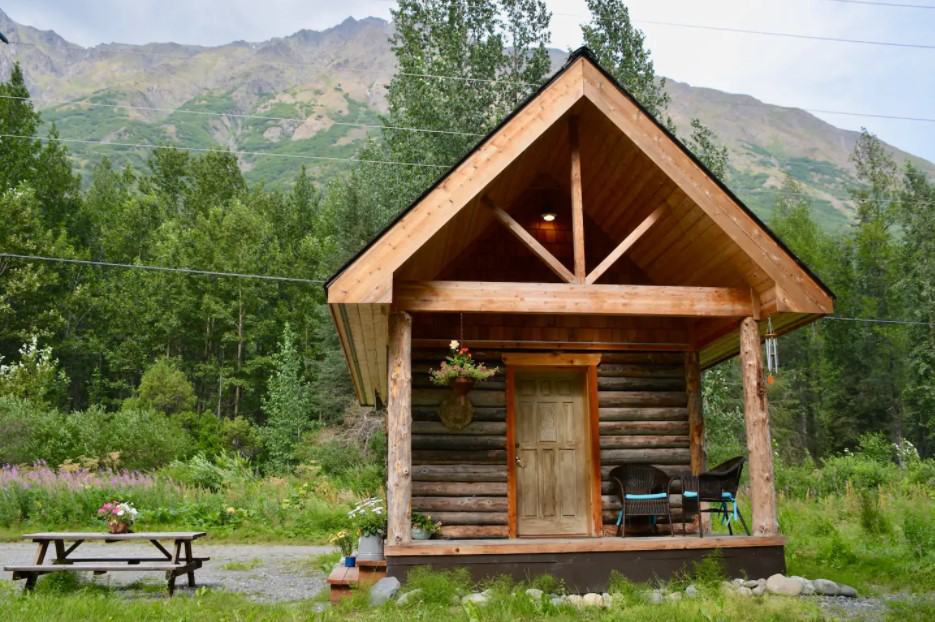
x=459, y=370
x=119, y=516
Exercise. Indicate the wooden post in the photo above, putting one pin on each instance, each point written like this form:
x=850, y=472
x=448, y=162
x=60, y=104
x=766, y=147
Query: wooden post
x=695, y=414
x=756, y=420
x=577, y=200
x=399, y=430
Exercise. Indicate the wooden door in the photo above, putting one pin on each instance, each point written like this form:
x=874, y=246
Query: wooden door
x=552, y=482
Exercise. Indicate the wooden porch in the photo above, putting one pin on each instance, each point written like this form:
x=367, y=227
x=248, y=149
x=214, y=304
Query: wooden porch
x=585, y=564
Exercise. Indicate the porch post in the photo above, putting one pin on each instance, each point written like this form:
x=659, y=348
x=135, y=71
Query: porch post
x=756, y=421
x=399, y=430
x=695, y=414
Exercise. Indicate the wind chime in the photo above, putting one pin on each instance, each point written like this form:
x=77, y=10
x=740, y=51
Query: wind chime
x=772, y=352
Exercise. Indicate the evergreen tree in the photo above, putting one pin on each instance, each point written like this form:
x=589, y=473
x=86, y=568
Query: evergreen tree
x=916, y=285
x=287, y=406
x=620, y=48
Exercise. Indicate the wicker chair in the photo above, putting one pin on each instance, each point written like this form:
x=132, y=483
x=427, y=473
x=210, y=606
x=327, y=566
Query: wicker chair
x=643, y=491
x=687, y=486
x=719, y=488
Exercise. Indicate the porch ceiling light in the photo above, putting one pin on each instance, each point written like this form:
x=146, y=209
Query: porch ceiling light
x=548, y=215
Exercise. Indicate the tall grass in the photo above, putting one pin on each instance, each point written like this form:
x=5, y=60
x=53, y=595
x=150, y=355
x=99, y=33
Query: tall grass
x=231, y=502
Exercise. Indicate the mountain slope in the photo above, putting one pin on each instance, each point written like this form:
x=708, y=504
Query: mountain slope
x=322, y=87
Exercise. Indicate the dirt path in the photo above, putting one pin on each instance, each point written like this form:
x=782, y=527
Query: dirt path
x=264, y=572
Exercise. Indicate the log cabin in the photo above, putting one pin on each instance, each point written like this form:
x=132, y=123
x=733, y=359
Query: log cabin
x=585, y=251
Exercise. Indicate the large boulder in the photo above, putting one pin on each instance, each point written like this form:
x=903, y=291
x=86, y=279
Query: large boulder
x=783, y=585
x=383, y=590
x=846, y=590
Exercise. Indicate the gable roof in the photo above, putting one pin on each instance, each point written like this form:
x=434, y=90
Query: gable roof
x=361, y=291
x=581, y=52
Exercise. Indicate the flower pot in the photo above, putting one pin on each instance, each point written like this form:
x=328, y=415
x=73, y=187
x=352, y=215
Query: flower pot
x=350, y=561
x=370, y=548
x=118, y=528
x=418, y=533
x=461, y=385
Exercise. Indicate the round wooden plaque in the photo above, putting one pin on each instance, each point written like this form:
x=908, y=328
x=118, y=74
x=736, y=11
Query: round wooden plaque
x=456, y=412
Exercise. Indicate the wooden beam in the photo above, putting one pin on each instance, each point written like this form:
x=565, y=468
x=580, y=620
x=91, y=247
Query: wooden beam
x=594, y=436
x=577, y=545
x=369, y=277
x=695, y=415
x=759, y=444
x=577, y=200
x=625, y=245
x=530, y=242
x=512, y=523
x=399, y=430
x=571, y=298
x=803, y=292
x=550, y=359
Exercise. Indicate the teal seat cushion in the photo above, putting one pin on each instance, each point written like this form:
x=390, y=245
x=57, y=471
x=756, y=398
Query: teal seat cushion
x=647, y=497
x=691, y=494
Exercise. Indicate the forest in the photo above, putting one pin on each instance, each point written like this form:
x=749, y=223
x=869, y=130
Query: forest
x=251, y=365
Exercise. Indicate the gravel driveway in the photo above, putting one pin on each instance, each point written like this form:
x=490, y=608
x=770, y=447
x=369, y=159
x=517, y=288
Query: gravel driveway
x=264, y=572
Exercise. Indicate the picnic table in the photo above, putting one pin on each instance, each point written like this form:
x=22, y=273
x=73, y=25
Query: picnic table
x=180, y=561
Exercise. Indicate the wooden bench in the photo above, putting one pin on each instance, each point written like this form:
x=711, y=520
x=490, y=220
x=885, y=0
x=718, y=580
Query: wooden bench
x=182, y=562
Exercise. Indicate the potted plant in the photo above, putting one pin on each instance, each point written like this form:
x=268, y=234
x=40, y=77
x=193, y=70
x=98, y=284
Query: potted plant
x=119, y=516
x=369, y=518
x=423, y=527
x=345, y=543
x=459, y=370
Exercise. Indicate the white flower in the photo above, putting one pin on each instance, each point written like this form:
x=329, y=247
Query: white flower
x=454, y=345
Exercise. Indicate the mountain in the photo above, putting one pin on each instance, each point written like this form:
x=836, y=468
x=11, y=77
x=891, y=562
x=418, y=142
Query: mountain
x=320, y=88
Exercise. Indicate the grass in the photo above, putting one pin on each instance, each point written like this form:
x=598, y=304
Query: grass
x=70, y=599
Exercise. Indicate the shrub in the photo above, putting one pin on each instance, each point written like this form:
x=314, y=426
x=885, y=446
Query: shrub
x=919, y=532
x=142, y=438
x=165, y=388
x=287, y=406
x=872, y=518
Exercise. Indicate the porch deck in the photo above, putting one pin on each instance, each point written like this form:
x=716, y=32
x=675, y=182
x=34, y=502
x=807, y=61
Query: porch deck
x=585, y=564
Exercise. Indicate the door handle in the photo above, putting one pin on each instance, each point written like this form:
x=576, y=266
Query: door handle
x=519, y=462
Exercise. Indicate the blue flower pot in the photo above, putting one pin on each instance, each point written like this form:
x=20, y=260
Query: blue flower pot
x=350, y=561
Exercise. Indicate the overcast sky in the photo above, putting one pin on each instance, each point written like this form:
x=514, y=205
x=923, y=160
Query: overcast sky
x=811, y=74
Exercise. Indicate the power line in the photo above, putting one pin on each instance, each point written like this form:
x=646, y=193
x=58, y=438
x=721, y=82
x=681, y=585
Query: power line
x=267, y=277
x=789, y=35
x=876, y=320
x=242, y=115
x=270, y=154
x=897, y=5
x=149, y=268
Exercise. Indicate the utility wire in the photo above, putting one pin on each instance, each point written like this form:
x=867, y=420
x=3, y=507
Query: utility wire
x=129, y=266
x=270, y=154
x=79, y=103
x=267, y=277
x=876, y=320
x=788, y=35
x=100, y=143
x=897, y=5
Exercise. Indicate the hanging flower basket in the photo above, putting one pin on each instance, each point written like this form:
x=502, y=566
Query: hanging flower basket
x=461, y=385
x=459, y=370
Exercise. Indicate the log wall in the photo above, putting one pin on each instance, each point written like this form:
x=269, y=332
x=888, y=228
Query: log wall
x=460, y=478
